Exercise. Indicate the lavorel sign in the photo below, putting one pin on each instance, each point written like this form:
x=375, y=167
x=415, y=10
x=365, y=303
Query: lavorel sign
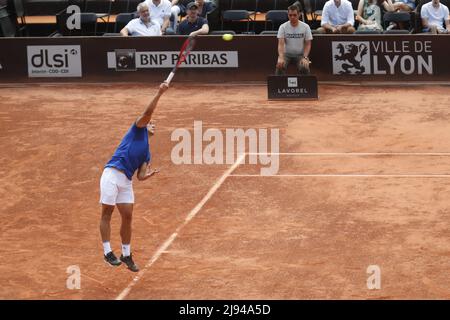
x=54, y=61
x=385, y=57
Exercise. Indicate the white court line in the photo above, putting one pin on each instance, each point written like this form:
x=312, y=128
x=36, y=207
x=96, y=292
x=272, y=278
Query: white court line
x=350, y=175
x=352, y=153
x=174, y=235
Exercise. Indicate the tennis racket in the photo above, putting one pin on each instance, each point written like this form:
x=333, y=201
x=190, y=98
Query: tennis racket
x=188, y=45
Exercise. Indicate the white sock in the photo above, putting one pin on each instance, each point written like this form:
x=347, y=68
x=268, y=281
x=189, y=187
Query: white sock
x=106, y=247
x=126, y=250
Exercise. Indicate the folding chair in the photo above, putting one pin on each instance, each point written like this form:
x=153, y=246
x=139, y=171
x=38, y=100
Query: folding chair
x=88, y=24
x=20, y=12
x=236, y=15
x=122, y=20
x=276, y=18
x=102, y=10
x=318, y=8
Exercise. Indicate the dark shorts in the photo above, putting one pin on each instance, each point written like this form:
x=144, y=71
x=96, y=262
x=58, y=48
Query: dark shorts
x=291, y=59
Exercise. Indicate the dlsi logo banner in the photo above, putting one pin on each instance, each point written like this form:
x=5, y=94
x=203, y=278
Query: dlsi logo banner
x=54, y=61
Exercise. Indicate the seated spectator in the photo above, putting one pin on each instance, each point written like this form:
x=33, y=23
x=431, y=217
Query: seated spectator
x=160, y=11
x=404, y=5
x=204, y=7
x=369, y=14
x=178, y=9
x=193, y=25
x=294, y=43
x=142, y=26
x=434, y=15
x=401, y=6
x=337, y=17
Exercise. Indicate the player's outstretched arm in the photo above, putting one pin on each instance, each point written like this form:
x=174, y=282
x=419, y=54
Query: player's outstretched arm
x=145, y=118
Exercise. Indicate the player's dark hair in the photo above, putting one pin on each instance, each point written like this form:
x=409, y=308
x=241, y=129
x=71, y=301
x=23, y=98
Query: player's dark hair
x=294, y=8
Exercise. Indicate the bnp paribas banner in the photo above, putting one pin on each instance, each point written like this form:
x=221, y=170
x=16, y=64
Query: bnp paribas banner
x=383, y=57
x=131, y=60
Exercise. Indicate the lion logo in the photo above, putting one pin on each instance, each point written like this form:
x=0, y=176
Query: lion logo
x=354, y=57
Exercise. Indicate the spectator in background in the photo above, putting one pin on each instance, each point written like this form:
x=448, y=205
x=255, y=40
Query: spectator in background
x=369, y=14
x=193, y=25
x=434, y=15
x=337, y=17
x=294, y=43
x=160, y=11
x=404, y=5
x=178, y=9
x=204, y=7
x=142, y=26
x=401, y=6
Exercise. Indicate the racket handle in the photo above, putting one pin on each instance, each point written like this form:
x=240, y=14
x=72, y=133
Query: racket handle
x=170, y=77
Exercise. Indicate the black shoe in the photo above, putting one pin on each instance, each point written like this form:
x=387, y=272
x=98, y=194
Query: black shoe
x=112, y=259
x=129, y=262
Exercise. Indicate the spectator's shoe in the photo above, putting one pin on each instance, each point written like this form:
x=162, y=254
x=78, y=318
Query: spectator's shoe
x=111, y=259
x=392, y=26
x=129, y=262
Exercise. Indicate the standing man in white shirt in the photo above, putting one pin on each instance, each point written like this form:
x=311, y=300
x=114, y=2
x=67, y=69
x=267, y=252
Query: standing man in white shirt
x=160, y=11
x=434, y=15
x=337, y=17
x=294, y=43
x=142, y=26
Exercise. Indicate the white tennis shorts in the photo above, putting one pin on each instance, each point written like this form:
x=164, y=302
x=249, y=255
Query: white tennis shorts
x=115, y=187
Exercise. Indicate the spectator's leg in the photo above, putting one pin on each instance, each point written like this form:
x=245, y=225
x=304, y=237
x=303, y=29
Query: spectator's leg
x=321, y=30
x=348, y=30
x=175, y=11
x=433, y=29
x=170, y=31
x=406, y=8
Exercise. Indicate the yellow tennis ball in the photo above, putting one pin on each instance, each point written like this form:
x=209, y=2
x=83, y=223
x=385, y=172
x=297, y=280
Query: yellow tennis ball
x=227, y=37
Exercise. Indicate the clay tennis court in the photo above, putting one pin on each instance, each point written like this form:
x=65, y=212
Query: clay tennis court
x=364, y=180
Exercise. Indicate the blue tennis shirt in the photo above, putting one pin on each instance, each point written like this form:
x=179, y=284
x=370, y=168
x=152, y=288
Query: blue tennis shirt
x=132, y=151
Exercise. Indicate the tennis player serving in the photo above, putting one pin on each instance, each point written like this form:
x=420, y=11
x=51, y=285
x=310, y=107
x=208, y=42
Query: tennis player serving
x=116, y=187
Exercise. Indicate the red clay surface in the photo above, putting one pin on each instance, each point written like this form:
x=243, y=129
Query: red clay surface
x=257, y=237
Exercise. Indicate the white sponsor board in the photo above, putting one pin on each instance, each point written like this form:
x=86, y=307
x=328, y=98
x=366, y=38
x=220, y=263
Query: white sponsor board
x=168, y=59
x=382, y=57
x=54, y=61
